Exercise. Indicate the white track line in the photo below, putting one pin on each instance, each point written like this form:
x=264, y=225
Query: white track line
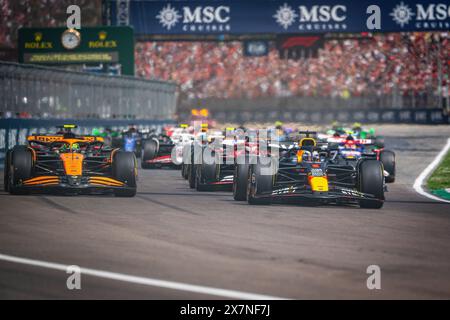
x=429, y=170
x=143, y=281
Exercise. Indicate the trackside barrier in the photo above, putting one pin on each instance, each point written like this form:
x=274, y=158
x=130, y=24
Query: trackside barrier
x=45, y=93
x=412, y=116
x=15, y=131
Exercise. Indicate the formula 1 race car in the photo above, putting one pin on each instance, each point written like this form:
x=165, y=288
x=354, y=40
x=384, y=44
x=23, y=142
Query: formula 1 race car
x=352, y=146
x=251, y=150
x=217, y=171
x=130, y=140
x=353, y=149
x=157, y=152
x=68, y=163
x=311, y=173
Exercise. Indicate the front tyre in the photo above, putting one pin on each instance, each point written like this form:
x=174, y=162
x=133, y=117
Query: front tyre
x=125, y=169
x=149, y=152
x=206, y=174
x=260, y=183
x=6, y=168
x=21, y=168
x=240, y=181
x=371, y=180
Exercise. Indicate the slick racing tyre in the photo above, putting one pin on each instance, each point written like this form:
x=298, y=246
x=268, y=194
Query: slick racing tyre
x=192, y=171
x=387, y=157
x=183, y=171
x=124, y=169
x=206, y=174
x=6, y=168
x=184, y=165
x=21, y=168
x=149, y=152
x=240, y=181
x=260, y=182
x=371, y=182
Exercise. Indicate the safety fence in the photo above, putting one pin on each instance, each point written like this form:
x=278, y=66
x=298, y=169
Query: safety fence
x=417, y=116
x=43, y=92
x=427, y=99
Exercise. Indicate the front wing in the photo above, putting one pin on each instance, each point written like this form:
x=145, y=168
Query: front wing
x=70, y=184
x=335, y=194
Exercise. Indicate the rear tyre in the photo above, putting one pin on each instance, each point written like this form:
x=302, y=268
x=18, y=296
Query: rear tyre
x=7, y=165
x=240, y=181
x=258, y=184
x=206, y=174
x=387, y=157
x=124, y=169
x=149, y=152
x=371, y=179
x=183, y=171
x=184, y=165
x=21, y=168
x=192, y=171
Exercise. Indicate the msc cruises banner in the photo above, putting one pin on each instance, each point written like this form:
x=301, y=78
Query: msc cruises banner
x=274, y=16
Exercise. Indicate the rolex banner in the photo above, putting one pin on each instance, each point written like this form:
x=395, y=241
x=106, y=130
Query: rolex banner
x=275, y=16
x=112, y=46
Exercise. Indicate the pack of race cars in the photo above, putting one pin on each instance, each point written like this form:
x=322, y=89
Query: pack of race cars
x=339, y=166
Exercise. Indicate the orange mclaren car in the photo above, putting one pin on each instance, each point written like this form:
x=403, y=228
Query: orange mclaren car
x=68, y=163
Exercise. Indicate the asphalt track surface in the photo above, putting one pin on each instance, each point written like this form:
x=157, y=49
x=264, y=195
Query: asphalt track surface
x=173, y=233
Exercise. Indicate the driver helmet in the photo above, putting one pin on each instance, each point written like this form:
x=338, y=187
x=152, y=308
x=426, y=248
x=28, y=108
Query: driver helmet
x=75, y=147
x=96, y=132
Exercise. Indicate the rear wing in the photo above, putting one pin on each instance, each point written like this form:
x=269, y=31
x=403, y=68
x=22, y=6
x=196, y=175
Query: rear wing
x=50, y=138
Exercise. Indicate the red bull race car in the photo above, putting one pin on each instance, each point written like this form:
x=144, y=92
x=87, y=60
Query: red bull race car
x=313, y=173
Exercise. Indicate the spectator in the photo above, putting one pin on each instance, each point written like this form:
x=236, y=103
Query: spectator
x=404, y=63
x=15, y=14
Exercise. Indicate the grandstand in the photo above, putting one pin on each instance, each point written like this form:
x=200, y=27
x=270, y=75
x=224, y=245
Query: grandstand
x=15, y=14
x=393, y=70
x=403, y=64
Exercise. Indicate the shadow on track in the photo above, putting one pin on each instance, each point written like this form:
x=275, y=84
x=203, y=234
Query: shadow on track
x=167, y=205
x=56, y=205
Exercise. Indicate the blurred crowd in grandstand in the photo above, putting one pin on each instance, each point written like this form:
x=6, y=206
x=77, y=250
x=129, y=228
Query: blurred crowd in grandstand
x=41, y=13
x=404, y=62
x=409, y=64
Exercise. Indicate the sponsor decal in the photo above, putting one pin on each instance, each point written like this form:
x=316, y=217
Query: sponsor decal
x=38, y=43
x=102, y=42
x=290, y=189
x=423, y=16
x=352, y=193
x=196, y=19
x=402, y=14
x=70, y=57
x=312, y=18
x=161, y=159
x=168, y=17
x=285, y=16
x=256, y=48
x=317, y=172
